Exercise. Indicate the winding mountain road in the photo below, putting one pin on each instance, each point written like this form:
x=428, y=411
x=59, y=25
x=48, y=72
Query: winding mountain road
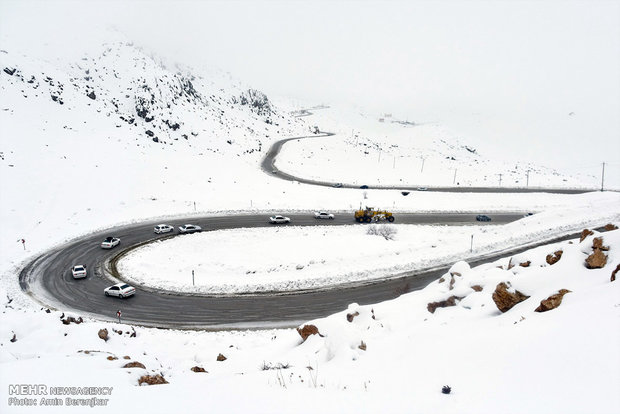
x=48, y=277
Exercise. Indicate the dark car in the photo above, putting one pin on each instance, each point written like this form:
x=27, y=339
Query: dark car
x=482, y=217
x=364, y=187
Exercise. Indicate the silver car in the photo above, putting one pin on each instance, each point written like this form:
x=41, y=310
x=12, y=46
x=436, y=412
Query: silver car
x=163, y=228
x=279, y=220
x=189, y=228
x=121, y=290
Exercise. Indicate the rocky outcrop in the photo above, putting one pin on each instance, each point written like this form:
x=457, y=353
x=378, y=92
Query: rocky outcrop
x=552, y=301
x=596, y=260
x=451, y=301
x=555, y=257
x=610, y=227
x=152, y=380
x=504, y=299
x=134, y=364
x=585, y=233
x=103, y=334
x=350, y=316
x=308, y=330
x=71, y=319
x=597, y=243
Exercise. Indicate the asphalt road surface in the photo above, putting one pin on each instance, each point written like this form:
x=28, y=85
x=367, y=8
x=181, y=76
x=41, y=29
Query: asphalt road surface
x=48, y=279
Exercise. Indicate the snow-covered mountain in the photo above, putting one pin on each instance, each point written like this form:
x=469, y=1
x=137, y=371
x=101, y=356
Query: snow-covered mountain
x=147, y=99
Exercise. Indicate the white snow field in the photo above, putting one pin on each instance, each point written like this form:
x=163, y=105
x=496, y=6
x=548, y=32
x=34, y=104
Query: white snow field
x=295, y=258
x=119, y=135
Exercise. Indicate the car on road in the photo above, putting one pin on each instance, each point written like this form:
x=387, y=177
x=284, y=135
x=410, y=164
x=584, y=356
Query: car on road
x=279, y=219
x=422, y=189
x=364, y=187
x=163, y=228
x=110, y=242
x=121, y=290
x=482, y=217
x=323, y=215
x=78, y=271
x=528, y=214
x=337, y=185
x=189, y=228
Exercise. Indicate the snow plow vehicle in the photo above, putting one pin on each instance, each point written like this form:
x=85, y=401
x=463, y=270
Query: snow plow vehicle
x=369, y=214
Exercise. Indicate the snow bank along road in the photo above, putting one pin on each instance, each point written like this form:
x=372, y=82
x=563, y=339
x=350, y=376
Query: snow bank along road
x=48, y=278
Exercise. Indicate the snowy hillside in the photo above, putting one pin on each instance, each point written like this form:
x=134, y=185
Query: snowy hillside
x=120, y=135
x=379, y=149
x=146, y=98
x=530, y=333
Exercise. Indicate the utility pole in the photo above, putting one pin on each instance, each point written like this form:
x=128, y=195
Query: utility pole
x=603, y=178
x=527, y=178
x=500, y=180
x=454, y=180
x=422, y=170
x=193, y=278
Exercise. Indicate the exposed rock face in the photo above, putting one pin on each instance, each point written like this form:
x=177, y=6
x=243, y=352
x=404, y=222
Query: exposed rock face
x=221, y=357
x=597, y=243
x=554, y=258
x=350, y=316
x=585, y=233
x=451, y=301
x=596, y=260
x=552, y=301
x=505, y=300
x=152, y=380
x=610, y=227
x=134, y=364
x=198, y=369
x=257, y=102
x=613, y=274
x=308, y=330
x=103, y=334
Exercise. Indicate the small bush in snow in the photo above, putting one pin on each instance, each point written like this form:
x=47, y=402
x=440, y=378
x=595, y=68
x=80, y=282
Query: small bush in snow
x=386, y=231
x=446, y=389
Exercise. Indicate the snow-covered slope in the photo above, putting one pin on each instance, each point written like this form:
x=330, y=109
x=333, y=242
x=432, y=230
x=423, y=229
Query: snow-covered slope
x=394, y=356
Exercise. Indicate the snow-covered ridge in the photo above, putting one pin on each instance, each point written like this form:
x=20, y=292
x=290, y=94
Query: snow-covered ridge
x=153, y=100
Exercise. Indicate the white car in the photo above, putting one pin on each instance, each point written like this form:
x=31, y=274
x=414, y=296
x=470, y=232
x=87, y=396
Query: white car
x=189, y=228
x=323, y=215
x=279, y=219
x=121, y=290
x=163, y=228
x=110, y=242
x=78, y=271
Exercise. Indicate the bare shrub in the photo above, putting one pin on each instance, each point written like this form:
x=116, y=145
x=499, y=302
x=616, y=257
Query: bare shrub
x=386, y=231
